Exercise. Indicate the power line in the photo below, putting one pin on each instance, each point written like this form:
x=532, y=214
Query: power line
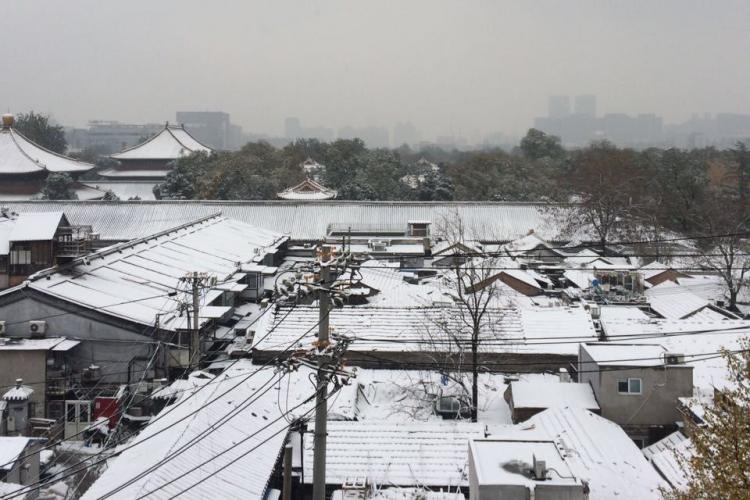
x=39, y=484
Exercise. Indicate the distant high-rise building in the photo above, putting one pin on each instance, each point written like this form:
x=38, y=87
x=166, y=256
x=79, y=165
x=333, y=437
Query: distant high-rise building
x=292, y=128
x=585, y=105
x=405, y=133
x=558, y=106
x=212, y=128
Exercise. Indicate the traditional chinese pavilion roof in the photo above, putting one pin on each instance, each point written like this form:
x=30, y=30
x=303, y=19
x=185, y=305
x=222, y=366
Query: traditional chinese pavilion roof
x=307, y=190
x=169, y=144
x=18, y=155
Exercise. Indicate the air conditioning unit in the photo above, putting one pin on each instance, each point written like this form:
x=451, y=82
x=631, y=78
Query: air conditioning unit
x=540, y=469
x=378, y=245
x=37, y=329
x=2, y=328
x=674, y=359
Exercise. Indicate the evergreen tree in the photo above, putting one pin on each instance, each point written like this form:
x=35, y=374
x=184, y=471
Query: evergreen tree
x=37, y=128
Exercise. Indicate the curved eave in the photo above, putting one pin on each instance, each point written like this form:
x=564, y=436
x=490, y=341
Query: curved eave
x=37, y=154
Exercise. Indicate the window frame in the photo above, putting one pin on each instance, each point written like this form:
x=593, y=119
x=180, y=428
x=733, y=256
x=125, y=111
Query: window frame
x=628, y=381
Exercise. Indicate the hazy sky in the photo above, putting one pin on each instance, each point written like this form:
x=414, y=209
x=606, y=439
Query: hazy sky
x=461, y=66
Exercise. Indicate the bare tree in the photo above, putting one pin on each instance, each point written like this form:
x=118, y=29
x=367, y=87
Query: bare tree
x=604, y=184
x=455, y=334
x=723, y=245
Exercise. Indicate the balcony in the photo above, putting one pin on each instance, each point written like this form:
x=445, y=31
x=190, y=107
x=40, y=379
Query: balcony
x=74, y=241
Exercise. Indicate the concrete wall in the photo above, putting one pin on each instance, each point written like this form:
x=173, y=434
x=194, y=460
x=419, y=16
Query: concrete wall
x=656, y=405
x=18, y=474
x=108, y=342
x=588, y=371
x=31, y=366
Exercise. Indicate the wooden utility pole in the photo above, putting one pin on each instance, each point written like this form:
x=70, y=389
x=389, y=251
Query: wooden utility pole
x=286, y=491
x=321, y=404
x=197, y=281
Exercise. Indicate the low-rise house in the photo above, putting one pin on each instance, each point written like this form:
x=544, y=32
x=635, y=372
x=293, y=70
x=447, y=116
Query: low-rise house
x=637, y=386
x=30, y=242
x=594, y=449
x=527, y=398
x=47, y=362
x=520, y=470
x=430, y=454
x=672, y=301
x=410, y=337
x=121, y=302
x=229, y=438
x=656, y=273
x=19, y=460
x=535, y=249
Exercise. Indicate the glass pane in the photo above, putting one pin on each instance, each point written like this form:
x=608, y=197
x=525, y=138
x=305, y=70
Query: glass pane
x=622, y=386
x=635, y=385
x=84, y=412
x=70, y=412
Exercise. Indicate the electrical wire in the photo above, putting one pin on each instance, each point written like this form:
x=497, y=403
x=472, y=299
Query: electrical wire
x=39, y=484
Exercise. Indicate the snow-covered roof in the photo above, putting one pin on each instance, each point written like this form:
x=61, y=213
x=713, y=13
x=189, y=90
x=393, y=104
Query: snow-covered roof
x=307, y=190
x=157, y=174
x=581, y=279
x=622, y=312
x=668, y=457
x=128, y=189
x=138, y=276
x=404, y=329
x=10, y=449
x=499, y=462
x=537, y=394
x=39, y=226
x=596, y=450
x=699, y=341
x=251, y=436
x=636, y=355
x=523, y=277
x=46, y=344
x=18, y=155
x=396, y=453
x=528, y=243
x=169, y=144
x=676, y=302
x=18, y=393
x=122, y=220
x=399, y=494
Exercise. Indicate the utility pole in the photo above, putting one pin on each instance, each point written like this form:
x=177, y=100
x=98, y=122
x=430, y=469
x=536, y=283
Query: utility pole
x=287, y=489
x=197, y=281
x=321, y=403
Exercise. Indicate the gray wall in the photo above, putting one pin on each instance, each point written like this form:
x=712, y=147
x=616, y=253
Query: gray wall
x=18, y=474
x=31, y=366
x=657, y=403
x=104, y=343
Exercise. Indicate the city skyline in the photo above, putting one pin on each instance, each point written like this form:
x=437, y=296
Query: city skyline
x=447, y=69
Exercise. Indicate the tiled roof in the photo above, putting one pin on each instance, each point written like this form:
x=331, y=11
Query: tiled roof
x=18, y=155
x=488, y=221
x=169, y=144
x=411, y=329
x=399, y=454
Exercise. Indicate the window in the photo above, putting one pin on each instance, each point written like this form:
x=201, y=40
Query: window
x=629, y=386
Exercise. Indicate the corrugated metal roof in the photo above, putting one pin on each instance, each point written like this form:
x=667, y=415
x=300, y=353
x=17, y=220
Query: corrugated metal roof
x=423, y=329
x=486, y=221
x=251, y=437
x=136, y=277
x=597, y=451
x=397, y=453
